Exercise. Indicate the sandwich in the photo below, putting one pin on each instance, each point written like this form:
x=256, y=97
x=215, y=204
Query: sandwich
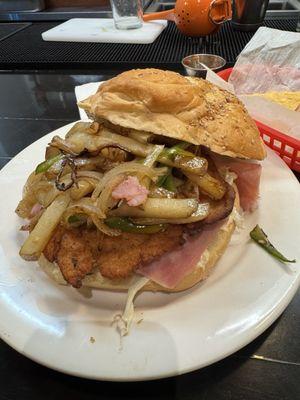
x=147, y=194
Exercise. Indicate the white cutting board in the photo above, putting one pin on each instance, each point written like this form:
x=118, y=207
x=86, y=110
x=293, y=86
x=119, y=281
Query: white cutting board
x=102, y=30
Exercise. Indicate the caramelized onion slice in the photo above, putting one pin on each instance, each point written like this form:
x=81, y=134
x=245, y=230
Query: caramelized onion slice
x=212, y=187
x=128, y=168
x=159, y=208
x=83, y=206
x=43, y=230
x=200, y=214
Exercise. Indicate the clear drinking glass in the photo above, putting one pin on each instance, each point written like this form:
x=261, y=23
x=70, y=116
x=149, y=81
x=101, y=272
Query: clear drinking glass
x=127, y=13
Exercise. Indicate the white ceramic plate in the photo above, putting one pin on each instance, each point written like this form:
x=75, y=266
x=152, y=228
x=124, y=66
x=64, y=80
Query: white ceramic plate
x=248, y=290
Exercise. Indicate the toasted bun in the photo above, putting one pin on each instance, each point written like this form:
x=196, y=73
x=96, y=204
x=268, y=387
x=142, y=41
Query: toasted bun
x=169, y=104
x=95, y=280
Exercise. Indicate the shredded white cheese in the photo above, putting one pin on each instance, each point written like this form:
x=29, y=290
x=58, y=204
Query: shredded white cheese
x=238, y=218
x=203, y=260
x=229, y=176
x=124, y=321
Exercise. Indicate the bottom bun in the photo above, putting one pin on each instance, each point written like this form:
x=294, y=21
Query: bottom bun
x=201, y=271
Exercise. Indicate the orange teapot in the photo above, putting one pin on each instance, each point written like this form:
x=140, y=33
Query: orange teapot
x=196, y=17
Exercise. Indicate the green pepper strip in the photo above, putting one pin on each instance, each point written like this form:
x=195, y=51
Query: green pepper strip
x=45, y=165
x=166, y=181
x=169, y=183
x=161, y=180
x=259, y=236
x=73, y=219
x=177, y=150
x=126, y=225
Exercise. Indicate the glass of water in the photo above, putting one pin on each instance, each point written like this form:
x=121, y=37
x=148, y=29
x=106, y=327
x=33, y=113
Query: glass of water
x=127, y=13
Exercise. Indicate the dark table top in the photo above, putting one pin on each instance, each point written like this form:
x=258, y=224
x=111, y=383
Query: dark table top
x=22, y=46
x=33, y=104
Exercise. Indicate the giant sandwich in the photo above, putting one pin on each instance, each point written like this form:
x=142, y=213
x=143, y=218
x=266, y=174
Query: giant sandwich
x=148, y=193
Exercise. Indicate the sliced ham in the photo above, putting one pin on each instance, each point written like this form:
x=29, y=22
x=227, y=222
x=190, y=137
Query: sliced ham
x=36, y=209
x=171, y=268
x=35, y=213
x=248, y=179
x=132, y=191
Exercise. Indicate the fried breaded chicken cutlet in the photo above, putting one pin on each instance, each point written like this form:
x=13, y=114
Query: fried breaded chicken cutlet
x=80, y=251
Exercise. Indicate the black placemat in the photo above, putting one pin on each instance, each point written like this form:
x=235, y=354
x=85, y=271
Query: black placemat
x=9, y=29
x=26, y=49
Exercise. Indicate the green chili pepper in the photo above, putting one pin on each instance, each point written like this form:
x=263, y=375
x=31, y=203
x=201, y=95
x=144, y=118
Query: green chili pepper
x=177, y=150
x=45, y=165
x=126, y=225
x=166, y=181
x=74, y=219
x=259, y=236
x=169, y=183
x=161, y=180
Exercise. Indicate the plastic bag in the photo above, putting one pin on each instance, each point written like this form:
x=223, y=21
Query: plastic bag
x=269, y=62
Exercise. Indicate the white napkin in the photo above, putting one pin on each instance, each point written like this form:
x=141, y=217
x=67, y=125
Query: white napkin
x=84, y=91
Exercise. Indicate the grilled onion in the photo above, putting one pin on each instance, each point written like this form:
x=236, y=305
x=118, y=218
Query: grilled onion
x=105, y=201
x=83, y=206
x=129, y=168
x=86, y=183
x=212, y=187
x=43, y=230
x=82, y=164
x=153, y=156
x=93, y=175
x=161, y=193
x=28, y=196
x=149, y=161
x=159, y=208
x=81, y=141
x=201, y=213
x=99, y=223
x=140, y=136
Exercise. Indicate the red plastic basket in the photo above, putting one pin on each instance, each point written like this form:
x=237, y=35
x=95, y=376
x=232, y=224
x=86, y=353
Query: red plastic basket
x=287, y=147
